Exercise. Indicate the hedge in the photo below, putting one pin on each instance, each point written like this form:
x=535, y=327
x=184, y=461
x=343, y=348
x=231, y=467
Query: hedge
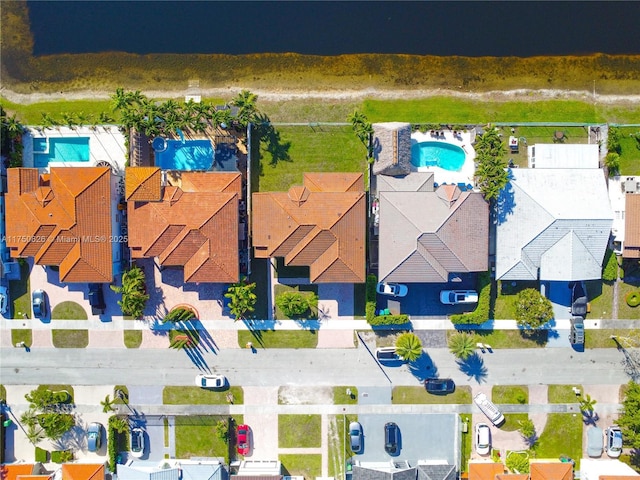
x=370, y=298
x=399, y=320
x=481, y=313
x=610, y=269
x=61, y=456
x=42, y=456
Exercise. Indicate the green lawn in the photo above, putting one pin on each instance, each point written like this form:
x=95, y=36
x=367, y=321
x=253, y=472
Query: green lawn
x=307, y=466
x=22, y=335
x=510, y=394
x=509, y=338
x=562, y=394
x=512, y=421
x=3, y=393
x=132, y=338
x=417, y=395
x=299, y=431
x=630, y=157
x=466, y=444
x=196, y=436
x=70, y=338
x=302, y=149
x=340, y=396
x=58, y=388
x=68, y=311
x=562, y=436
x=600, y=297
x=338, y=445
x=624, y=310
x=200, y=396
x=601, y=338
x=504, y=308
x=31, y=114
x=305, y=290
x=278, y=338
x=20, y=293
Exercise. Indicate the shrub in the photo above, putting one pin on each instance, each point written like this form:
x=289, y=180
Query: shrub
x=379, y=320
x=180, y=314
x=42, y=456
x=610, y=269
x=532, y=309
x=613, y=140
x=633, y=299
x=612, y=162
x=56, y=424
x=481, y=313
x=293, y=303
x=370, y=311
x=116, y=426
x=61, y=456
x=222, y=430
x=372, y=282
x=527, y=428
x=518, y=462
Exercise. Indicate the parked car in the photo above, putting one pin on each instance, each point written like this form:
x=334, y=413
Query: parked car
x=355, y=434
x=613, y=443
x=211, y=381
x=483, y=439
x=439, y=385
x=39, y=303
x=391, y=438
x=388, y=355
x=136, y=442
x=94, y=436
x=393, y=289
x=96, y=299
x=594, y=441
x=579, y=300
x=4, y=299
x=242, y=439
x=454, y=297
x=487, y=407
x=576, y=335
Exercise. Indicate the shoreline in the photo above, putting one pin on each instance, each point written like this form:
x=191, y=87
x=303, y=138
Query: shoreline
x=524, y=95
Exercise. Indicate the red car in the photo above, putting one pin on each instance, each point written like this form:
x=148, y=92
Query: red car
x=242, y=438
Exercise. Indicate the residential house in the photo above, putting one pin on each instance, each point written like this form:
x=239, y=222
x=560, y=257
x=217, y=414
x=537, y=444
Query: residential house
x=83, y=471
x=553, y=224
x=63, y=219
x=195, y=468
x=547, y=469
x=402, y=471
x=24, y=471
x=486, y=470
x=606, y=469
x=188, y=220
x=429, y=233
x=391, y=148
x=259, y=470
x=320, y=224
x=563, y=155
x=631, y=248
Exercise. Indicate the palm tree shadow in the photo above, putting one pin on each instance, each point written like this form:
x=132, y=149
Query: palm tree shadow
x=423, y=368
x=270, y=137
x=474, y=367
x=590, y=417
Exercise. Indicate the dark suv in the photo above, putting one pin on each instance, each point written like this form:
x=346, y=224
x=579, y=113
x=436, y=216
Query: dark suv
x=579, y=300
x=96, y=299
x=391, y=434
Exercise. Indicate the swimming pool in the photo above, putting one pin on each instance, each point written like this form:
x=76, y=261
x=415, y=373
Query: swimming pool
x=60, y=149
x=190, y=155
x=438, y=154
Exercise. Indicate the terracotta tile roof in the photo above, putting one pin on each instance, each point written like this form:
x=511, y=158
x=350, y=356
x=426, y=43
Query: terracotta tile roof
x=485, y=470
x=62, y=219
x=142, y=184
x=551, y=471
x=632, y=226
x=320, y=224
x=14, y=471
x=83, y=471
x=193, y=225
x=512, y=476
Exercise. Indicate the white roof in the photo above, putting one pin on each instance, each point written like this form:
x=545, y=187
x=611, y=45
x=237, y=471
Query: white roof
x=592, y=469
x=561, y=155
x=556, y=221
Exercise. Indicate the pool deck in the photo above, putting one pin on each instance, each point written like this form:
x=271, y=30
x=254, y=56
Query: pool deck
x=106, y=143
x=463, y=140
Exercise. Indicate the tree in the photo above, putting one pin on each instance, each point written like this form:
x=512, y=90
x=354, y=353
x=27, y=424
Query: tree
x=528, y=431
x=629, y=417
x=56, y=424
x=610, y=269
x=107, y=404
x=612, y=162
x=587, y=404
x=532, y=309
x=294, y=303
x=246, y=103
x=409, y=347
x=462, y=345
x=362, y=128
x=492, y=174
x=242, y=300
x=133, y=290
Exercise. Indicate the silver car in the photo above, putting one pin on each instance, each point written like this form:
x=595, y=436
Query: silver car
x=355, y=435
x=94, y=437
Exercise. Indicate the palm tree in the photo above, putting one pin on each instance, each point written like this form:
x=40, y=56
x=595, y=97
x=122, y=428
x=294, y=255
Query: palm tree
x=462, y=345
x=104, y=117
x=13, y=126
x=409, y=347
x=119, y=99
x=119, y=424
x=83, y=118
x=362, y=128
x=107, y=404
x=47, y=121
x=241, y=298
x=246, y=103
x=587, y=404
x=492, y=174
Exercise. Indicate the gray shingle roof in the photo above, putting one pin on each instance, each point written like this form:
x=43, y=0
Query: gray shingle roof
x=391, y=148
x=437, y=472
x=557, y=221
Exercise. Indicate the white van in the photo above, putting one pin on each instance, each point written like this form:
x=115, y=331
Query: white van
x=487, y=407
x=388, y=354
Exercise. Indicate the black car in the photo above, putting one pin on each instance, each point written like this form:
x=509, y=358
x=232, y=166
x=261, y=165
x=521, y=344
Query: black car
x=576, y=336
x=391, y=435
x=39, y=303
x=579, y=300
x=439, y=385
x=96, y=299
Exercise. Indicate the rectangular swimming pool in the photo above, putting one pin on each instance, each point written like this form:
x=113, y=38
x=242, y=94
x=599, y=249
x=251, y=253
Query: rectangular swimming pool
x=190, y=155
x=61, y=149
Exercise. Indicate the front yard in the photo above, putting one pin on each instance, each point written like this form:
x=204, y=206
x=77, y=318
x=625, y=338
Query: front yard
x=196, y=436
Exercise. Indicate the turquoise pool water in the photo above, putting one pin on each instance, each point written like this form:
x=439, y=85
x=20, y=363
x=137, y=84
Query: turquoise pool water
x=437, y=154
x=190, y=155
x=61, y=149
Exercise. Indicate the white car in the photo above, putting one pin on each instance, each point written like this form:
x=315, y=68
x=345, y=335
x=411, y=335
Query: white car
x=393, y=289
x=4, y=299
x=136, y=442
x=483, y=439
x=454, y=297
x=211, y=381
